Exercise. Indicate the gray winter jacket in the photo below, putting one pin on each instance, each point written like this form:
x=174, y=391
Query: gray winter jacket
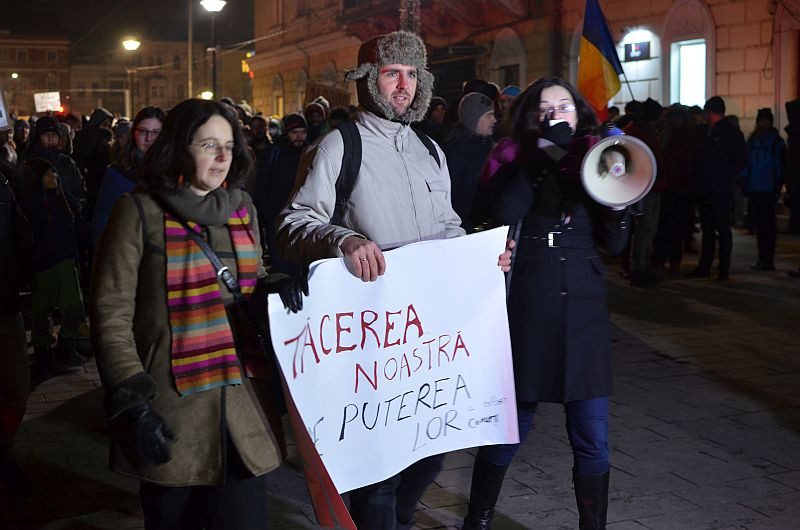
x=401, y=194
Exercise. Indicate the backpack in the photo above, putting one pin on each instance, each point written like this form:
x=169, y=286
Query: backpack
x=351, y=164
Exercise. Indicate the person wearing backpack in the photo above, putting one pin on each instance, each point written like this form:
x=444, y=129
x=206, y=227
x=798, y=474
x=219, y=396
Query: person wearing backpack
x=372, y=185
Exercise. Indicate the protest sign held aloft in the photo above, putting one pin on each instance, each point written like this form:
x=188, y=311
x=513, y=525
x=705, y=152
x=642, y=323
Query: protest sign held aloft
x=417, y=363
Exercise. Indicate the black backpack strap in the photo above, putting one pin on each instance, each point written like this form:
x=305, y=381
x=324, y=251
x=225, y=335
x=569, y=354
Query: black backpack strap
x=351, y=165
x=425, y=139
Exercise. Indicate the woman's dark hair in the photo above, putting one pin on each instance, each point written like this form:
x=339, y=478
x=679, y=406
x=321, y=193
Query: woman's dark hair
x=129, y=157
x=527, y=127
x=169, y=159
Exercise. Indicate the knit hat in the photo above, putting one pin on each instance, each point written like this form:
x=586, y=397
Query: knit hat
x=46, y=124
x=399, y=47
x=764, y=114
x=313, y=107
x=294, y=121
x=511, y=91
x=716, y=105
x=322, y=102
x=472, y=107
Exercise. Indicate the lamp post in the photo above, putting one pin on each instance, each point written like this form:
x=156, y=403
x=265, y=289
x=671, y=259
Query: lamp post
x=131, y=44
x=213, y=7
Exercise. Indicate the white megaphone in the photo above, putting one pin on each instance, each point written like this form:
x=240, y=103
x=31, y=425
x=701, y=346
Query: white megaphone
x=618, y=171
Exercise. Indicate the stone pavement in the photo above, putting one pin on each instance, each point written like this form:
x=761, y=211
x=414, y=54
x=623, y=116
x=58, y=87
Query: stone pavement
x=705, y=427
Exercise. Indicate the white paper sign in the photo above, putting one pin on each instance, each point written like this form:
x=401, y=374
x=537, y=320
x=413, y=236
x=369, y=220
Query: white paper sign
x=415, y=364
x=47, y=101
x=5, y=120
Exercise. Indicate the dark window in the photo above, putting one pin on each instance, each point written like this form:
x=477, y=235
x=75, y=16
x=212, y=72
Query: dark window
x=52, y=56
x=176, y=63
x=509, y=75
x=22, y=56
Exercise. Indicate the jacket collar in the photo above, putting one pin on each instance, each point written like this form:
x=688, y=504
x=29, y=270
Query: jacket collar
x=392, y=131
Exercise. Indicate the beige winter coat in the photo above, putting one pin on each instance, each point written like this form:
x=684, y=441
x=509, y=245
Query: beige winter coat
x=131, y=336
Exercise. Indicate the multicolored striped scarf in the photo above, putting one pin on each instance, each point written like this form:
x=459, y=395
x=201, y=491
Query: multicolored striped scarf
x=203, y=344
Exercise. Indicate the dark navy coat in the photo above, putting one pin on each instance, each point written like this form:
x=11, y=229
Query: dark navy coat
x=558, y=302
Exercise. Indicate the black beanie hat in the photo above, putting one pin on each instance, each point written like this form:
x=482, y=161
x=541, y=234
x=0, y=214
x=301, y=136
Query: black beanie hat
x=294, y=121
x=715, y=104
x=765, y=114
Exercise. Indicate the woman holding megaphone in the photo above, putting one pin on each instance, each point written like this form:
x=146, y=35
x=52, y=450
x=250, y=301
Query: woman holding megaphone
x=557, y=299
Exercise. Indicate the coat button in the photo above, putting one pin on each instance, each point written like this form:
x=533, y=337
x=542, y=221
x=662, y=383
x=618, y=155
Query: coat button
x=563, y=293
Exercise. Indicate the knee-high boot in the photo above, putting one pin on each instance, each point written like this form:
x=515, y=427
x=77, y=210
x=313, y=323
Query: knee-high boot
x=487, y=479
x=591, y=493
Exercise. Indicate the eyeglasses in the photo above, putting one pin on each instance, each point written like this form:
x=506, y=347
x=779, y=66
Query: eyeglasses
x=562, y=109
x=212, y=148
x=147, y=132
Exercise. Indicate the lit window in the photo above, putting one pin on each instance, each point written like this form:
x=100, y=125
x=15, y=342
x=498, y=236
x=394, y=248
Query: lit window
x=688, y=72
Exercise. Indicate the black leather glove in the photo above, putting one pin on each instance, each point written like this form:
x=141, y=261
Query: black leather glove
x=291, y=291
x=144, y=436
x=560, y=133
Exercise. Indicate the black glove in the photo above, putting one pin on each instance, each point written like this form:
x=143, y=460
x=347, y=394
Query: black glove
x=144, y=436
x=291, y=291
x=560, y=133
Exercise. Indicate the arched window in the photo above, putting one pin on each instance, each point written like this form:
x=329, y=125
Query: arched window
x=689, y=46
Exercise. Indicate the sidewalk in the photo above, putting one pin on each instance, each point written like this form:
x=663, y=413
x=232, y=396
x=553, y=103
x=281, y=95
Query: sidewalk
x=705, y=426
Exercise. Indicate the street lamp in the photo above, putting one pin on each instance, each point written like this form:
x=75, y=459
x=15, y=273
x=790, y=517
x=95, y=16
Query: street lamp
x=130, y=44
x=213, y=7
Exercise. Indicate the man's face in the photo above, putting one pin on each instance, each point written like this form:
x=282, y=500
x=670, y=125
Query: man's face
x=438, y=113
x=258, y=128
x=486, y=123
x=297, y=137
x=315, y=117
x=397, y=84
x=22, y=132
x=49, y=140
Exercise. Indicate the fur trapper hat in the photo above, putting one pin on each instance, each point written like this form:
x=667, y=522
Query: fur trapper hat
x=399, y=47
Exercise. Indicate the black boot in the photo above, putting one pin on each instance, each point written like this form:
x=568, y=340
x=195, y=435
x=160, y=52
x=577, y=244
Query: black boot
x=591, y=493
x=487, y=479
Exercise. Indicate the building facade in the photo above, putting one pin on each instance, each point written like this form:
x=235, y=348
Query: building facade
x=672, y=50
x=30, y=64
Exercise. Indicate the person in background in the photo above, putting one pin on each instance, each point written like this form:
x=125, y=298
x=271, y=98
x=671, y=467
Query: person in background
x=258, y=135
x=190, y=394
x=338, y=116
x=45, y=143
x=15, y=247
x=22, y=132
x=316, y=114
x=92, y=152
x=122, y=138
x=123, y=175
x=504, y=103
x=721, y=158
x=557, y=297
x=466, y=150
x=276, y=169
x=763, y=179
x=53, y=214
x=433, y=125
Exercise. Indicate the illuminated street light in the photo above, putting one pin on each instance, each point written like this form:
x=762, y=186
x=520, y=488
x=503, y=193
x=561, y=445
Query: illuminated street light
x=15, y=75
x=207, y=95
x=131, y=44
x=213, y=7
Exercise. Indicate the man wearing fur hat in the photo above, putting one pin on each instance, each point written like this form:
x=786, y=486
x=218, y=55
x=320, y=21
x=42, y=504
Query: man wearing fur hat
x=401, y=195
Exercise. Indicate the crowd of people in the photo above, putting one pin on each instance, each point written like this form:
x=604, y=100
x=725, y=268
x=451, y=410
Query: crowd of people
x=209, y=206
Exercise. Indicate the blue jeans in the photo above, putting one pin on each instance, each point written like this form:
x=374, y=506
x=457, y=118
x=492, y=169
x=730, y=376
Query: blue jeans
x=391, y=503
x=587, y=428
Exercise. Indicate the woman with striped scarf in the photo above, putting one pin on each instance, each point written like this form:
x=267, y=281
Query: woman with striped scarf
x=192, y=398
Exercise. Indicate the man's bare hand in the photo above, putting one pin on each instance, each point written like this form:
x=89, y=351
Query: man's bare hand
x=365, y=258
x=504, y=261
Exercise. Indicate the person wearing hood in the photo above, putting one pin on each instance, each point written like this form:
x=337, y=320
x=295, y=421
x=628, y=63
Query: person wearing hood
x=53, y=215
x=433, y=125
x=401, y=195
x=466, y=149
x=123, y=175
x=190, y=395
x=763, y=179
x=46, y=143
x=92, y=152
x=316, y=114
x=276, y=168
x=22, y=133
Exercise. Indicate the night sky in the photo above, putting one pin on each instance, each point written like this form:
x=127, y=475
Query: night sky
x=97, y=25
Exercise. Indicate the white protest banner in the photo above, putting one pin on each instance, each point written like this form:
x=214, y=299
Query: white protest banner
x=47, y=101
x=415, y=364
x=5, y=120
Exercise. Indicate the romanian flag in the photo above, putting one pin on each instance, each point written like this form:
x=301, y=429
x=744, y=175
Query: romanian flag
x=598, y=64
